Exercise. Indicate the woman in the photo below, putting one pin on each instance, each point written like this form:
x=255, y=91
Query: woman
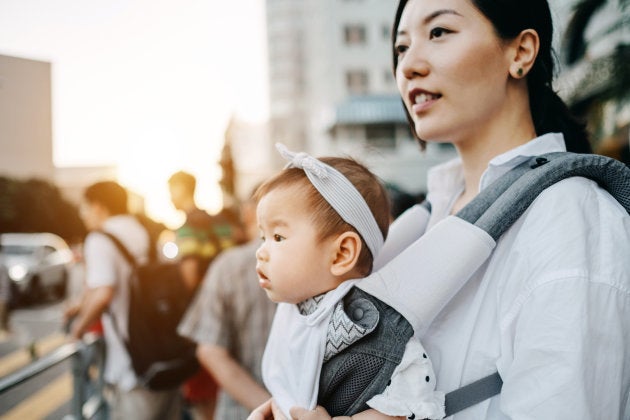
x=550, y=310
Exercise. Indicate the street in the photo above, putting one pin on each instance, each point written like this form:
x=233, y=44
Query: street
x=35, y=331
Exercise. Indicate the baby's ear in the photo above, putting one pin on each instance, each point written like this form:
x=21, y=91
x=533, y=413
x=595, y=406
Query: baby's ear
x=346, y=251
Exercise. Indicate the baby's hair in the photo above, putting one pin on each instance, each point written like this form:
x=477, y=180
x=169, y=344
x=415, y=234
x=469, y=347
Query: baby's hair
x=323, y=215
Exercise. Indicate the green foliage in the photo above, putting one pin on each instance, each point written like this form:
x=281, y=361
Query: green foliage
x=36, y=205
x=575, y=42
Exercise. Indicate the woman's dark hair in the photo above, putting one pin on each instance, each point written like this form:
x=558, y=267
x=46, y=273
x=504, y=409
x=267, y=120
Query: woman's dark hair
x=510, y=18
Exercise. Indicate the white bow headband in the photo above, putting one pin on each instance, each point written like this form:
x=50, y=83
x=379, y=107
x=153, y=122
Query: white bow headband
x=339, y=192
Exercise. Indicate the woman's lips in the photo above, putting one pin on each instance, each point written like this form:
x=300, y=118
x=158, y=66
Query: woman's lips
x=422, y=100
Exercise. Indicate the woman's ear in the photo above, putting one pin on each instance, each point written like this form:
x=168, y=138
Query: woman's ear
x=346, y=250
x=526, y=46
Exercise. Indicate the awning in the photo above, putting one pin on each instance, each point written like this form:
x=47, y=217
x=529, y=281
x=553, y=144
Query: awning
x=368, y=110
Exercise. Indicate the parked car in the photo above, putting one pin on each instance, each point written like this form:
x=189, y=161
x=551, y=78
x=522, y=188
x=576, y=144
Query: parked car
x=37, y=263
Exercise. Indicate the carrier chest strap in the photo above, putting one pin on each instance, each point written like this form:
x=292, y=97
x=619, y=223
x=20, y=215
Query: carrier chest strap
x=473, y=393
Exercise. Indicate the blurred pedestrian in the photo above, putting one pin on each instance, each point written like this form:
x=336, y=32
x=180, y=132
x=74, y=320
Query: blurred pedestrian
x=230, y=320
x=202, y=236
x=199, y=240
x=106, y=297
x=400, y=200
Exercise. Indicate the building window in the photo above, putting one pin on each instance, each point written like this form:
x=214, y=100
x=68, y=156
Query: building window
x=357, y=82
x=355, y=34
x=386, y=32
x=382, y=136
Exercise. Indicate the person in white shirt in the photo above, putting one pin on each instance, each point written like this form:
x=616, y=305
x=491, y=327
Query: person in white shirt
x=550, y=308
x=106, y=297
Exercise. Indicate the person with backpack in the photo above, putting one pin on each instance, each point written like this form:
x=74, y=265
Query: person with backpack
x=199, y=240
x=549, y=309
x=104, y=209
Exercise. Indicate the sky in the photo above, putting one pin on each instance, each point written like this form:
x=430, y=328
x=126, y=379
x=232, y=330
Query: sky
x=147, y=85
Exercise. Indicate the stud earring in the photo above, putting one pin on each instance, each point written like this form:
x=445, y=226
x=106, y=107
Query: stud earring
x=520, y=72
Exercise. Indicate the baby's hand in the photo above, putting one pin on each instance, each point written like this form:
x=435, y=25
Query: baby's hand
x=267, y=411
x=300, y=413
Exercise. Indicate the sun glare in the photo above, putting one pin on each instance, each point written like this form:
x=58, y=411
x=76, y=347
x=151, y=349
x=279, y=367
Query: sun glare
x=147, y=165
x=151, y=97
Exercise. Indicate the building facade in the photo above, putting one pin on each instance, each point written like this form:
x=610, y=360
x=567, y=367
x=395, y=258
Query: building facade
x=26, y=149
x=332, y=90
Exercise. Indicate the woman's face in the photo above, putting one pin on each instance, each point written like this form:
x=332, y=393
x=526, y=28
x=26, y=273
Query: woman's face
x=452, y=70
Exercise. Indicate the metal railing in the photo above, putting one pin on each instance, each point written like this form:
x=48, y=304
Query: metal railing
x=88, y=359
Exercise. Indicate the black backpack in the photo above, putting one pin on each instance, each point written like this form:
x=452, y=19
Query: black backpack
x=161, y=358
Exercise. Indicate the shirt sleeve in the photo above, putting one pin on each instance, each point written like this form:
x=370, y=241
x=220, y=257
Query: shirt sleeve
x=571, y=356
x=411, y=390
x=100, y=261
x=566, y=336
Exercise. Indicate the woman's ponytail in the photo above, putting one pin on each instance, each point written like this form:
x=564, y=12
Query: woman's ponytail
x=551, y=114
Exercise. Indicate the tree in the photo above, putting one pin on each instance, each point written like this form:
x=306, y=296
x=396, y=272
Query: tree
x=36, y=205
x=603, y=86
x=576, y=45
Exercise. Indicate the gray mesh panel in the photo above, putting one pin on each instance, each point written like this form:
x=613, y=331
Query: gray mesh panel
x=349, y=382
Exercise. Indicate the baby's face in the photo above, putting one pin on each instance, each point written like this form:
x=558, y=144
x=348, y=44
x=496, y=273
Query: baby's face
x=292, y=263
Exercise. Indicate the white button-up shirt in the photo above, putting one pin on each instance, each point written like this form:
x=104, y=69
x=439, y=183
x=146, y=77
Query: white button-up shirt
x=550, y=309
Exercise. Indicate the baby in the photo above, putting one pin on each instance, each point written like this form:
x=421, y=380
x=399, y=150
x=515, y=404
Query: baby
x=331, y=344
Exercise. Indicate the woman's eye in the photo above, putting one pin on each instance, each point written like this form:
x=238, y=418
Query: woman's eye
x=400, y=49
x=437, y=32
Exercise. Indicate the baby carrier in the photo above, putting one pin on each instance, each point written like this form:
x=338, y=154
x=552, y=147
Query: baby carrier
x=477, y=227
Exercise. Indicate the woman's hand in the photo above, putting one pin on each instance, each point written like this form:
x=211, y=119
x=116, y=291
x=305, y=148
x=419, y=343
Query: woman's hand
x=267, y=411
x=300, y=413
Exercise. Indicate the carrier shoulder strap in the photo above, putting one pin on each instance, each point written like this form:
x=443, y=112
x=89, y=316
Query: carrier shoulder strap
x=497, y=207
x=503, y=202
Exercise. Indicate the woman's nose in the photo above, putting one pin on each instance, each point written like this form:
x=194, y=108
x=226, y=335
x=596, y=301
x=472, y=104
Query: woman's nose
x=413, y=64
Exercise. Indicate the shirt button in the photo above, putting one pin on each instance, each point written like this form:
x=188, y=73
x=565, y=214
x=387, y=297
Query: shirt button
x=357, y=314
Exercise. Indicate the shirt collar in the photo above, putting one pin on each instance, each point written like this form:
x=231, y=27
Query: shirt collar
x=310, y=305
x=500, y=165
x=115, y=220
x=449, y=178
